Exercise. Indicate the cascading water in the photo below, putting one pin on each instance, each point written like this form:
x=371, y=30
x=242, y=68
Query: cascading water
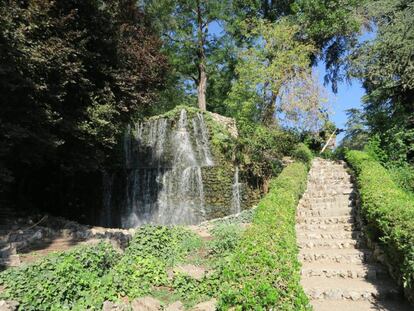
x=236, y=198
x=163, y=161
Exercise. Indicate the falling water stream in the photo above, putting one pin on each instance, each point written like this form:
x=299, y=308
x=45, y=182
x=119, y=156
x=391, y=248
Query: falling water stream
x=163, y=164
x=236, y=199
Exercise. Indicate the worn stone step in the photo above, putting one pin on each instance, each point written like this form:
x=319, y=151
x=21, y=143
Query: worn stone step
x=337, y=270
x=318, y=288
x=331, y=243
x=325, y=228
x=346, y=305
x=325, y=212
x=343, y=256
x=341, y=198
x=322, y=191
x=327, y=220
x=324, y=234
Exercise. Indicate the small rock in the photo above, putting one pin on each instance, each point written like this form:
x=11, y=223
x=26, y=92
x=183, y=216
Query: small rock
x=176, y=306
x=146, y=304
x=111, y=306
x=9, y=305
x=206, y=306
x=193, y=271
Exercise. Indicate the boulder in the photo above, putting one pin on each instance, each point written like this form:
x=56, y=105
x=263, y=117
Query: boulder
x=8, y=305
x=176, y=306
x=196, y=272
x=111, y=306
x=146, y=304
x=206, y=306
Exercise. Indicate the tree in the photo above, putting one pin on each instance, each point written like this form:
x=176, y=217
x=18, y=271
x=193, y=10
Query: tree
x=184, y=27
x=332, y=26
x=386, y=67
x=72, y=74
x=275, y=79
x=356, y=131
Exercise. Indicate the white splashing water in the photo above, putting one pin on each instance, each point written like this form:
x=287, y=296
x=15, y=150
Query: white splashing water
x=163, y=166
x=236, y=198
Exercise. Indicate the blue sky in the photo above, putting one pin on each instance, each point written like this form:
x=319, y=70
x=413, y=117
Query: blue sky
x=348, y=96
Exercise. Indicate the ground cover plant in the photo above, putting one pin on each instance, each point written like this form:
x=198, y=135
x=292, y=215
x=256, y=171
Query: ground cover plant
x=389, y=213
x=263, y=272
x=60, y=281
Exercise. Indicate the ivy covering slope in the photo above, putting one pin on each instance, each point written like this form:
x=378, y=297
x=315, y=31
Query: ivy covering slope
x=389, y=213
x=264, y=271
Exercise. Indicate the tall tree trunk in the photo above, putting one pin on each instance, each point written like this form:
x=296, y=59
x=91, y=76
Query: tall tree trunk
x=202, y=74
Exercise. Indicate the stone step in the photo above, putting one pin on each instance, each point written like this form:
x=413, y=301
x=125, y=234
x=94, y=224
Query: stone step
x=352, y=271
x=331, y=244
x=330, y=179
x=341, y=198
x=346, y=305
x=318, y=288
x=323, y=234
x=302, y=228
x=343, y=256
x=325, y=212
x=321, y=191
x=329, y=220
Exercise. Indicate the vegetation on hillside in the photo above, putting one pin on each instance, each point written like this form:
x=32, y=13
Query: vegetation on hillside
x=388, y=212
x=264, y=272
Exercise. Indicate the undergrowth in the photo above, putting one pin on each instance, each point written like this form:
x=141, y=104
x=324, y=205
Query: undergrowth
x=389, y=213
x=264, y=273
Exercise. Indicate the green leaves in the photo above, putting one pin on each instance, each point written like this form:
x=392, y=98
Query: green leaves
x=260, y=274
x=389, y=212
x=61, y=281
x=275, y=79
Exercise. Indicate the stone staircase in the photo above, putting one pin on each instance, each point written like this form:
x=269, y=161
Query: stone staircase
x=339, y=272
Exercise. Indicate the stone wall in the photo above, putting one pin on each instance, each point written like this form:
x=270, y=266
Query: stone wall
x=218, y=192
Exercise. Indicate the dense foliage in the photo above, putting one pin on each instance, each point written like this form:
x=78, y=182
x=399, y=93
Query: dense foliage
x=61, y=281
x=72, y=74
x=388, y=212
x=263, y=273
x=88, y=275
x=385, y=65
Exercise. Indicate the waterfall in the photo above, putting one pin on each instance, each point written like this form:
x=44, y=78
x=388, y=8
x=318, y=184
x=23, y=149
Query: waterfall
x=236, y=198
x=163, y=177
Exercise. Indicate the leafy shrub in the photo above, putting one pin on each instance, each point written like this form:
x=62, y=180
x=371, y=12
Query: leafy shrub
x=374, y=150
x=134, y=276
x=389, y=213
x=226, y=237
x=302, y=153
x=168, y=244
x=264, y=273
x=245, y=216
x=60, y=281
x=403, y=175
x=261, y=149
x=151, y=251
x=192, y=290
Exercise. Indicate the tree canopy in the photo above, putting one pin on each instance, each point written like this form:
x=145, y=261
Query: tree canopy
x=72, y=74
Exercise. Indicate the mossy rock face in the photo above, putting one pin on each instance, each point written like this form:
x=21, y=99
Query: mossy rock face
x=222, y=130
x=166, y=159
x=218, y=180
